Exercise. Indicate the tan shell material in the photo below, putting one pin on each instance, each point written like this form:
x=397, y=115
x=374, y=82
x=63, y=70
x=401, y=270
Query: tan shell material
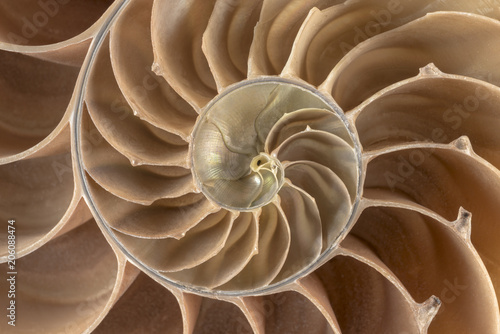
x=374, y=161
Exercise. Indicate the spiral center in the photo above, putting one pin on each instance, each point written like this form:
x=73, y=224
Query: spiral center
x=265, y=161
x=232, y=147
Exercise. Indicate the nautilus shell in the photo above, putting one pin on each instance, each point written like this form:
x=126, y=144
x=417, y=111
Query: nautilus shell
x=250, y=166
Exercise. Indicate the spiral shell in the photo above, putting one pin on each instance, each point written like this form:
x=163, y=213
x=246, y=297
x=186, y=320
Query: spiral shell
x=270, y=166
x=270, y=169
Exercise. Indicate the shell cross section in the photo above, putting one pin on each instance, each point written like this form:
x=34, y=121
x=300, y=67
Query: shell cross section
x=253, y=131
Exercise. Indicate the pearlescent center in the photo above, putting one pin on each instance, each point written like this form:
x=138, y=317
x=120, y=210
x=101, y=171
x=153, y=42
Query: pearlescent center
x=229, y=154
